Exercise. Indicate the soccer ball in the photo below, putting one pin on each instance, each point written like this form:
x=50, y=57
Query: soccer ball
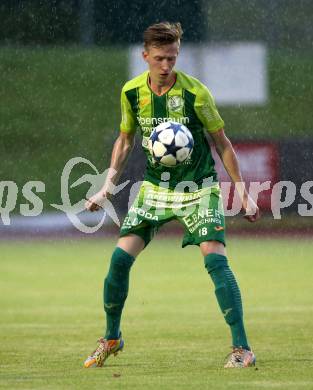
x=170, y=143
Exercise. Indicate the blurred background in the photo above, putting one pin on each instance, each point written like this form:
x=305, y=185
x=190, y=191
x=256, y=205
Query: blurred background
x=63, y=63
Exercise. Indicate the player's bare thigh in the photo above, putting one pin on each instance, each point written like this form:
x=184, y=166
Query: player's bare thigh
x=132, y=244
x=207, y=247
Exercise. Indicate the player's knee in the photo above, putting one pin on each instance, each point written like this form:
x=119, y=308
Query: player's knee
x=213, y=261
x=121, y=260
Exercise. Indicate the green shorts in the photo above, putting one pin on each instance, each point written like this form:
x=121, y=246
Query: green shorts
x=200, y=212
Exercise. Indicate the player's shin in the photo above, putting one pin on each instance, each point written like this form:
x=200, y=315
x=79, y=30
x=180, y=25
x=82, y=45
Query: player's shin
x=116, y=290
x=228, y=296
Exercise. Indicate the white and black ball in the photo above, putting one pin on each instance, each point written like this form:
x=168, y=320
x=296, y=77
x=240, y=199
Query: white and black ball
x=171, y=143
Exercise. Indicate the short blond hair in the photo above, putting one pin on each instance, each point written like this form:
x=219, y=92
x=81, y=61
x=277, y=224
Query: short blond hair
x=163, y=33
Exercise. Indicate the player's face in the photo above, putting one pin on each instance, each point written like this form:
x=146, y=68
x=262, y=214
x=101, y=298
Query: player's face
x=161, y=61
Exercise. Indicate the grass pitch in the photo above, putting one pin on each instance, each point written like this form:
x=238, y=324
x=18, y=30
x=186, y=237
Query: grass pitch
x=175, y=336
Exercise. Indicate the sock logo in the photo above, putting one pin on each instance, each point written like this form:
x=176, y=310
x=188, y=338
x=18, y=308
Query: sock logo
x=227, y=311
x=110, y=305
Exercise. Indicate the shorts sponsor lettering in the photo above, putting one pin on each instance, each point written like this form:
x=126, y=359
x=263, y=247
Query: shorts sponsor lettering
x=202, y=217
x=173, y=197
x=143, y=213
x=130, y=222
x=204, y=222
x=171, y=205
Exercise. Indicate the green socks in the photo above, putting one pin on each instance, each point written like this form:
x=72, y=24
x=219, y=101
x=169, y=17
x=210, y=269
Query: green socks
x=228, y=296
x=226, y=290
x=115, y=291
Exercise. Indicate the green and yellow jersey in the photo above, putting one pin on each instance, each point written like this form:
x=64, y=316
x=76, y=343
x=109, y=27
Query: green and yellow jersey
x=188, y=102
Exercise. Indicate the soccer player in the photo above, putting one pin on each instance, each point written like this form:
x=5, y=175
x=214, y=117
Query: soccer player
x=160, y=94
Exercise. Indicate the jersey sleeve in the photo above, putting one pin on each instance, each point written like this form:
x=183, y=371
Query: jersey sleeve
x=128, y=122
x=206, y=110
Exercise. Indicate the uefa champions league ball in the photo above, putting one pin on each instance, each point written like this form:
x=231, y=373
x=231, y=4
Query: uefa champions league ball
x=170, y=143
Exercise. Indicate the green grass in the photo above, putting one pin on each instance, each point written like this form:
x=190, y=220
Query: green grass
x=175, y=336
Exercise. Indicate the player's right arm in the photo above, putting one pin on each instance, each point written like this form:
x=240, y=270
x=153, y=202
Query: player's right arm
x=121, y=149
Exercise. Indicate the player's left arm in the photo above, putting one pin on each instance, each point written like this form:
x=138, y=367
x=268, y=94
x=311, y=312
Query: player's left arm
x=228, y=156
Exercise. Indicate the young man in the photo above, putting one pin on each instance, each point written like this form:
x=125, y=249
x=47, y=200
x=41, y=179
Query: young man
x=158, y=95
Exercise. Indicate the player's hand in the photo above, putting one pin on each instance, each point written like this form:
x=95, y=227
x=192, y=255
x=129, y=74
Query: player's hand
x=251, y=210
x=95, y=202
